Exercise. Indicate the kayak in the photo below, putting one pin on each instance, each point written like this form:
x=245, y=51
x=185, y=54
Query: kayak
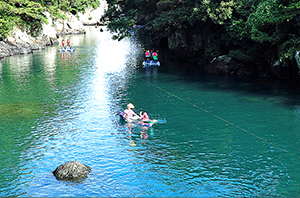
x=149, y=63
x=67, y=50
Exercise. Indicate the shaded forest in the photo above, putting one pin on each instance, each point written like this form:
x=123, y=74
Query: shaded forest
x=259, y=33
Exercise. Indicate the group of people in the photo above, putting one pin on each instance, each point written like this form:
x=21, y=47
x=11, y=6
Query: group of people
x=65, y=45
x=131, y=116
x=142, y=119
x=151, y=55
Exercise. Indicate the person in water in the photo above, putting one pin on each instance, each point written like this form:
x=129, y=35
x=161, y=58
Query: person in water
x=145, y=124
x=129, y=114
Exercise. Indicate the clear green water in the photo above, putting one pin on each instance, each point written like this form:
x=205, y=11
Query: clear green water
x=216, y=136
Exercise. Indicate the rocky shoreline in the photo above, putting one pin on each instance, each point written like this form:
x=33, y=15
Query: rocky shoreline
x=19, y=42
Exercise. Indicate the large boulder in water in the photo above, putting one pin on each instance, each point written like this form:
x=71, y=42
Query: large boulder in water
x=71, y=171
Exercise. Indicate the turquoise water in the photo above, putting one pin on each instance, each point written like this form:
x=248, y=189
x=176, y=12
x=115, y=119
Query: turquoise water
x=216, y=136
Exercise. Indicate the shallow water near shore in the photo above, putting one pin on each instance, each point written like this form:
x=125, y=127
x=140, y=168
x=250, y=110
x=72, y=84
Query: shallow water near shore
x=217, y=136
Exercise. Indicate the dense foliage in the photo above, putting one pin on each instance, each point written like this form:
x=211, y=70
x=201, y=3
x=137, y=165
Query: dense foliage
x=29, y=15
x=253, y=31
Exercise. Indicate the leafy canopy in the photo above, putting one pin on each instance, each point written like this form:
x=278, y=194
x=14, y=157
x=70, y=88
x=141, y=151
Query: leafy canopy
x=249, y=30
x=29, y=15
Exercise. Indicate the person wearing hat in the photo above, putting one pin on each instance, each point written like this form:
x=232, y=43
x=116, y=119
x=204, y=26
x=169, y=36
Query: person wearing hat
x=129, y=114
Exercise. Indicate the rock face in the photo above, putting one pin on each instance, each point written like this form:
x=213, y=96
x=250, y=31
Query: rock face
x=69, y=26
x=226, y=65
x=19, y=42
x=71, y=171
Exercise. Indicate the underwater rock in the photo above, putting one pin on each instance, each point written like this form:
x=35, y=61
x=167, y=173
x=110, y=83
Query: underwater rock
x=71, y=171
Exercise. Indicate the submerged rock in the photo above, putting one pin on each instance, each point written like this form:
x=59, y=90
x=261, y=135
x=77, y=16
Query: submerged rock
x=71, y=171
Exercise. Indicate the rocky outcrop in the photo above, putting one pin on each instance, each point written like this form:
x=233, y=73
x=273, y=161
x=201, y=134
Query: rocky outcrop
x=71, y=171
x=69, y=26
x=19, y=42
x=228, y=66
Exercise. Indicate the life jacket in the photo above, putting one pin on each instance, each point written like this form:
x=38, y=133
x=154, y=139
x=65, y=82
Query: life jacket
x=154, y=54
x=68, y=42
x=147, y=54
x=145, y=116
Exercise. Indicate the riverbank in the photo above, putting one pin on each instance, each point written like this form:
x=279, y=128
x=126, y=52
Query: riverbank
x=19, y=42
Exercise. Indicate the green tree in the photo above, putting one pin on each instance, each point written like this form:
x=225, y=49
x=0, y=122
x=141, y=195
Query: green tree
x=29, y=15
x=26, y=14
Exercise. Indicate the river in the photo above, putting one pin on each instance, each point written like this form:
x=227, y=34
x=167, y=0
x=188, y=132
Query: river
x=215, y=136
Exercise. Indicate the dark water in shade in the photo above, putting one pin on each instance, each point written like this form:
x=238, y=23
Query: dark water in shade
x=216, y=136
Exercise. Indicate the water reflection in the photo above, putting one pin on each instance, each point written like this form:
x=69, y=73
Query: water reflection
x=151, y=72
x=20, y=67
x=50, y=64
x=1, y=67
x=68, y=55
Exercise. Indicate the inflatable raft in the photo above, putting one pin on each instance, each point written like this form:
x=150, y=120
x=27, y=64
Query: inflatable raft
x=149, y=63
x=66, y=50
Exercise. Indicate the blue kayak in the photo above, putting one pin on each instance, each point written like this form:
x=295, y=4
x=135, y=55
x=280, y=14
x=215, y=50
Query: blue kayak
x=66, y=50
x=149, y=63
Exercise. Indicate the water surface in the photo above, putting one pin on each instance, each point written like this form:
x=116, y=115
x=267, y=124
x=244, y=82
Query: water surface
x=217, y=136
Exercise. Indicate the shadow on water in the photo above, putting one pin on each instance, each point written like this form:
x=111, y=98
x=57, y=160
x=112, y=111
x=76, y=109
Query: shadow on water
x=265, y=89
